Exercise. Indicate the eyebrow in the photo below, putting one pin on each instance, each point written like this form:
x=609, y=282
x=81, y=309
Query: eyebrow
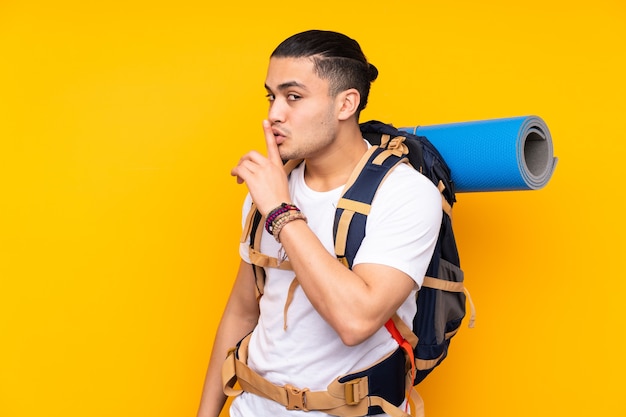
x=287, y=85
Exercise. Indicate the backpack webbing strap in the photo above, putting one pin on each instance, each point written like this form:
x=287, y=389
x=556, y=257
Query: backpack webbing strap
x=472, y=318
x=264, y=261
x=359, y=192
x=345, y=399
x=404, y=330
x=345, y=219
x=445, y=283
x=290, y=294
x=445, y=205
x=442, y=284
x=408, y=350
x=404, y=335
x=359, y=167
x=259, y=272
x=249, y=224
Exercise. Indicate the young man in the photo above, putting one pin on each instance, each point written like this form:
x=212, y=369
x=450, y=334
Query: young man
x=332, y=323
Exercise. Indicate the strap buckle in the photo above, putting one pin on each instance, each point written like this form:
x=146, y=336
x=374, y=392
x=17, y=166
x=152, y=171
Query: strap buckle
x=296, y=398
x=352, y=391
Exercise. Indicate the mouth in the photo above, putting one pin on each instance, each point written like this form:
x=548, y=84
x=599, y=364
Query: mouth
x=279, y=136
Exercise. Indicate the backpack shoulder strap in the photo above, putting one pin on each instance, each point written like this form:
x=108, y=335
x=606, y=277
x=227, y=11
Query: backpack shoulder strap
x=358, y=194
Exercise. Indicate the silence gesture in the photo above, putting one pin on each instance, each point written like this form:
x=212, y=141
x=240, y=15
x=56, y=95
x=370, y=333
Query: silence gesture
x=264, y=176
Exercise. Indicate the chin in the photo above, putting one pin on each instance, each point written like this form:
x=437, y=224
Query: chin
x=285, y=153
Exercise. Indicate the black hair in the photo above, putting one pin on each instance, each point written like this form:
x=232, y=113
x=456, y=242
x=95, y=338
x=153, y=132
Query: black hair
x=336, y=58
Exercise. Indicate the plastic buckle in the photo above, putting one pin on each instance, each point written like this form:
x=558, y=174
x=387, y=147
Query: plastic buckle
x=350, y=394
x=296, y=398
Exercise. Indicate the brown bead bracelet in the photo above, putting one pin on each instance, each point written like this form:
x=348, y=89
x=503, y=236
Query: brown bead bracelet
x=277, y=218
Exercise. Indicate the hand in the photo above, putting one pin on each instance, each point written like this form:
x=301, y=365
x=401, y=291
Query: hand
x=264, y=176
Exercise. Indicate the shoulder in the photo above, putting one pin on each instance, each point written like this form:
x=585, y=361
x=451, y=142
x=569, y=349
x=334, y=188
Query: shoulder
x=407, y=184
x=403, y=223
x=406, y=200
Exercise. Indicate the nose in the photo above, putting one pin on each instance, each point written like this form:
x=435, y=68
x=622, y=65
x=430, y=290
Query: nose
x=276, y=113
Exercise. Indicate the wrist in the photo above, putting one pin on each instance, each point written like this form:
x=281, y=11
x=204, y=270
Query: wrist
x=277, y=218
x=276, y=212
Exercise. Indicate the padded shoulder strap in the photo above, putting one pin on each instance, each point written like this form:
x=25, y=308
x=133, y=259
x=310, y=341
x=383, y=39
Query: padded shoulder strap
x=358, y=195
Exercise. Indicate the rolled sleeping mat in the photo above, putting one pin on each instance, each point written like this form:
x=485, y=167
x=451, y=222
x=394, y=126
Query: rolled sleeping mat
x=494, y=155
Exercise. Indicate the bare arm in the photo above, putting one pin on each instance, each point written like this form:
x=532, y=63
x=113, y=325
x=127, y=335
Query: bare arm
x=326, y=282
x=356, y=303
x=240, y=317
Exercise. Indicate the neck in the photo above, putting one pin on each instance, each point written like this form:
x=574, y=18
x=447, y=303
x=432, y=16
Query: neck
x=332, y=169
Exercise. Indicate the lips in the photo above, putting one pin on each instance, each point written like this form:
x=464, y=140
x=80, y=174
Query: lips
x=279, y=136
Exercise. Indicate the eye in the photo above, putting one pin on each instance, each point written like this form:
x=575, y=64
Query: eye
x=270, y=97
x=293, y=97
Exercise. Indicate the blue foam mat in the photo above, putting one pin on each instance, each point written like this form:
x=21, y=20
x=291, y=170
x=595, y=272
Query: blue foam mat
x=494, y=155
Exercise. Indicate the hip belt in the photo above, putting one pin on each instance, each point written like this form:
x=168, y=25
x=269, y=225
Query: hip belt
x=378, y=389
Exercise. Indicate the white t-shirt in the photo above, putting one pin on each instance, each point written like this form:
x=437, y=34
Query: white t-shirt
x=401, y=232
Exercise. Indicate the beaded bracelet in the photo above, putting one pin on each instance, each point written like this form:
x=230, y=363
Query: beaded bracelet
x=272, y=215
x=283, y=219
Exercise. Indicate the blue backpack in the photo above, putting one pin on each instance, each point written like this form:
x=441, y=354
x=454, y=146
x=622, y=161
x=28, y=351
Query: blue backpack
x=442, y=298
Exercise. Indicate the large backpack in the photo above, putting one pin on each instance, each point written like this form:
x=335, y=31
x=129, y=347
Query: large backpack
x=441, y=299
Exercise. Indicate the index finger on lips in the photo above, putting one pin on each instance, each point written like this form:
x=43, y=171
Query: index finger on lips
x=270, y=141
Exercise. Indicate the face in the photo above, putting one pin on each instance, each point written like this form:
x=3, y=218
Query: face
x=302, y=112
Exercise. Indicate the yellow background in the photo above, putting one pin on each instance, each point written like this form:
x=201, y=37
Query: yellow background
x=119, y=222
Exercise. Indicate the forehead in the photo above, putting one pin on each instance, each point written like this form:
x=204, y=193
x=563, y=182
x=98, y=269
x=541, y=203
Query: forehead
x=286, y=72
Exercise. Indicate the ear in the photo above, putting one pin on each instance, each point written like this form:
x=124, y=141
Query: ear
x=348, y=102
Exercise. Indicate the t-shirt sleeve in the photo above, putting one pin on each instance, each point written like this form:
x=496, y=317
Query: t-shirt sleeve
x=403, y=225
x=244, y=246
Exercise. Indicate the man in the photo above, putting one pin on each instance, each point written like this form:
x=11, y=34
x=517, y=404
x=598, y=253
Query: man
x=332, y=323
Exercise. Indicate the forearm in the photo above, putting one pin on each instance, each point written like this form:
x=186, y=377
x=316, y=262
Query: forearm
x=213, y=398
x=337, y=292
x=239, y=318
